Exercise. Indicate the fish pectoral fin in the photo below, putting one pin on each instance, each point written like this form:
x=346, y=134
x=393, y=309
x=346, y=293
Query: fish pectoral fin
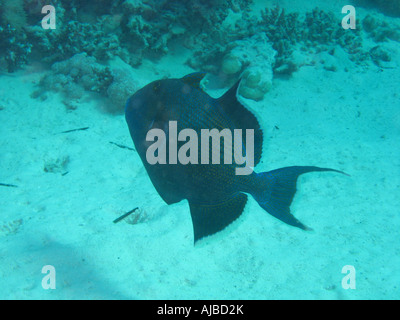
x=208, y=219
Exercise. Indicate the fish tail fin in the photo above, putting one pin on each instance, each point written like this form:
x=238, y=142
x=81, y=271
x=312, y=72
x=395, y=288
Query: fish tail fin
x=276, y=189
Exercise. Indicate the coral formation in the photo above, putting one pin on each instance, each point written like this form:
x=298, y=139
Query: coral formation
x=288, y=34
x=15, y=48
x=130, y=29
x=225, y=38
x=317, y=30
x=12, y=13
x=292, y=36
x=255, y=57
x=120, y=89
x=82, y=73
x=380, y=56
x=380, y=30
x=283, y=30
x=14, y=45
x=79, y=71
x=72, y=37
x=152, y=28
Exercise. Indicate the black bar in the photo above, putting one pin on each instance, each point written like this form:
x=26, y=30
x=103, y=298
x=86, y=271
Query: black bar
x=73, y=130
x=125, y=215
x=8, y=185
x=122, y=146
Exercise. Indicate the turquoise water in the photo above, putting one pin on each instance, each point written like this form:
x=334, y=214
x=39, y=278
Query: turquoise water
x=323, y=95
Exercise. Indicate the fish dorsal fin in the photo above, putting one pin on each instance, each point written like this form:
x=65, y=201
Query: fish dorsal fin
x=242, y=118
x=194, y=79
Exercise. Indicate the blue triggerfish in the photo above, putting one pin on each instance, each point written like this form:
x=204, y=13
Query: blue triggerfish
x=216, y=194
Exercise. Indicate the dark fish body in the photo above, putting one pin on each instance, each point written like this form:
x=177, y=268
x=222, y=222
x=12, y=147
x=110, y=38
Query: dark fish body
x=216, y=194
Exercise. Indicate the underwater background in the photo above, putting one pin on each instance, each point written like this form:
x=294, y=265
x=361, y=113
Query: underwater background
x=324, y=95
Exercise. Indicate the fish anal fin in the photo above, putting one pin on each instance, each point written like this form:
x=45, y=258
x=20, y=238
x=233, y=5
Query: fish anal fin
x=210, y=219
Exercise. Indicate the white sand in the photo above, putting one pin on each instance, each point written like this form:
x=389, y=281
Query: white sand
x=344, y=120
